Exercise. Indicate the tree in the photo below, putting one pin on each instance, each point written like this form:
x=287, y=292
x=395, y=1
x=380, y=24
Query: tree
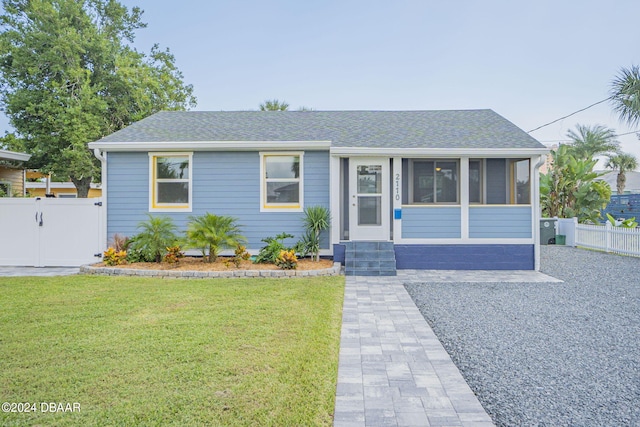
x=625, y=95
x=590, y=141
x=274, y=105
x=622, y=163
x=69, y=75
x=570, y=189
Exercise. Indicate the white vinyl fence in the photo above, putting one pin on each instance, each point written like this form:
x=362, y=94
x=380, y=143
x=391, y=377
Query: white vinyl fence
x=42, y=232
x=608, y=238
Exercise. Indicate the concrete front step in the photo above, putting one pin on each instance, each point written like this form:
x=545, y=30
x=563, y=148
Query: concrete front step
x=370, y=259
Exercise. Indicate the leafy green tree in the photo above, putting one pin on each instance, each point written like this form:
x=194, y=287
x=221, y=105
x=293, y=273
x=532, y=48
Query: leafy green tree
x=156, y=235
x=274, y=105
x=69, y=75
x=590, y=141
x=625, y=95
x=570, y=189
x=623, y=163
x=211, y=233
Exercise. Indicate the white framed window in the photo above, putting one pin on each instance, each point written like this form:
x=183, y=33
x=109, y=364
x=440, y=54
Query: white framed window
x=520, y=193
x=170, y=182
x=281, y=183
x=507, y=181
x=5, y=189
x=433, y=181
x=476, y=181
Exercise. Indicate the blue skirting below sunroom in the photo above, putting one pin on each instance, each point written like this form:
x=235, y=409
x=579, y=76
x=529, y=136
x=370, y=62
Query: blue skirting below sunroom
x=465, y=257
x=457, y=257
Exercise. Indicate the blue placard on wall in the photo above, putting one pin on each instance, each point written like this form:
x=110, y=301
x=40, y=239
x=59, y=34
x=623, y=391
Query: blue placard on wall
x=397, y=214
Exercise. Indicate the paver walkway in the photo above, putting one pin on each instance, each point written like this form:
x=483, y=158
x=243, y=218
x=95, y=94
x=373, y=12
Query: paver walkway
x=38, y=271
x=393, y=371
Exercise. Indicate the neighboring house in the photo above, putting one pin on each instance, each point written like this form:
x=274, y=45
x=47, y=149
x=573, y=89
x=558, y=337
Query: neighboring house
x=632, y=184
x=623, y=206
x=12, y=174
x=59, y=189
x=442, y=189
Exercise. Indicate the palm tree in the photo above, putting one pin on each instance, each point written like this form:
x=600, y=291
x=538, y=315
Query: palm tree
x=211, y=233
x=625, y=95
x=156, y=234
x=622, y=163
x=590, y=141
x=274, y=105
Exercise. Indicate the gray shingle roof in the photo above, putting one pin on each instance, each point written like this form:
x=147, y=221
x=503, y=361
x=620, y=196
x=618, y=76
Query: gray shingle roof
x=367, y=129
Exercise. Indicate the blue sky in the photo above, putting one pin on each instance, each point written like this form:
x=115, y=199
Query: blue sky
x=531, y=62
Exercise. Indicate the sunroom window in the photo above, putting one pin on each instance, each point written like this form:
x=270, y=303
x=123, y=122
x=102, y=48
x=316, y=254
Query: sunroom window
x=281, y=187
x=508, y=181
x=520, y=182
x=434, y=181
x=170, y=181
x=475, y=181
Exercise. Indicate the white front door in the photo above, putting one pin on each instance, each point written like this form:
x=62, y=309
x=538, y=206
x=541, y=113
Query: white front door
x=369, y=209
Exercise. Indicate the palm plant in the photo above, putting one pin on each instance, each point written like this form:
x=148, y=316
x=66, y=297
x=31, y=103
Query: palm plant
x=622, y=163
x=211, y=233
x=157, y=233
x=316, y=219
x=590, y=141
x=625, y=95
x=274, y=105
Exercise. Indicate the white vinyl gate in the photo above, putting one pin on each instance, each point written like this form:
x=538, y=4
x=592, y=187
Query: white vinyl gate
x=48, y=232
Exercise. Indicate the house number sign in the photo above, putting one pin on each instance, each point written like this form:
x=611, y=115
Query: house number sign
x=397, y=187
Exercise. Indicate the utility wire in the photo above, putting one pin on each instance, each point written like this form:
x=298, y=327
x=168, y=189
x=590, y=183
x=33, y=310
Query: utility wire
x=569, y=140
x=569, y=115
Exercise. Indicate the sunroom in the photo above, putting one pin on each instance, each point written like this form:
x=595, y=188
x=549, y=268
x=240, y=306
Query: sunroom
x=442, y=211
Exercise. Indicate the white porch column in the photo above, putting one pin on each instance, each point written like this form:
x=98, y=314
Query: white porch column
x=535, y=164
x=334, y=200
x=464, y=198
x=396, y=196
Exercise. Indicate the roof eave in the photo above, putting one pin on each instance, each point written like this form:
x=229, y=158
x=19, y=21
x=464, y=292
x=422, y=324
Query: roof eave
x=439, y=152
x=210, y=145
x=12, y=155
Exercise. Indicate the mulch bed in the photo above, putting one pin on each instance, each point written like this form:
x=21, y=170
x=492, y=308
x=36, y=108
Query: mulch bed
x=197, y=264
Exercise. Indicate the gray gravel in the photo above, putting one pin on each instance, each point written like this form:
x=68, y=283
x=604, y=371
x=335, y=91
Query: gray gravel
x=547, y=354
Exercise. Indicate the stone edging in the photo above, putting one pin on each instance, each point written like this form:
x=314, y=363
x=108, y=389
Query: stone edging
x=115, y=271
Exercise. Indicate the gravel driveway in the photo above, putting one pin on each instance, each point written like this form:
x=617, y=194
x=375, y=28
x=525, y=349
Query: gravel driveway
x=547, y=354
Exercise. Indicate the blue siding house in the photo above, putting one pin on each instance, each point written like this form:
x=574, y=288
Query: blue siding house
x=430, y=189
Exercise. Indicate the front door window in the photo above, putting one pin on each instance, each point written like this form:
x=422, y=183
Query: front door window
x=369, y=194
x=369, y=216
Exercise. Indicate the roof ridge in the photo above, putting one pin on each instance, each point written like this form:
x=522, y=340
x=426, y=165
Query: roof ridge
x=328, y=111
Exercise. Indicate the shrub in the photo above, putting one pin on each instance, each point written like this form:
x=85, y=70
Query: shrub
x=173, y=255
x=113, y=257
x=271, y=251
x=158, y=233
x=119, y=242
x=241, y=254
x=287, y=260
x=316, y=219
x=210, y=233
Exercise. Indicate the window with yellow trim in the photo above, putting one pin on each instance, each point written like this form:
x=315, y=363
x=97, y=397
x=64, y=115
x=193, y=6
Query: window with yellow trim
x=281, y=181
x=171, y=181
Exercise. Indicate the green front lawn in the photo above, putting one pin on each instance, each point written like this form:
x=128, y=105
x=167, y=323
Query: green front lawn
x=136, y=351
